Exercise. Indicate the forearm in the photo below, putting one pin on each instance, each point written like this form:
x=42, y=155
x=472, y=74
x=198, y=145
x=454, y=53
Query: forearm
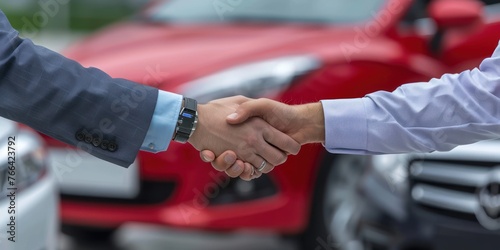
x=454, y=110
x=59, y=97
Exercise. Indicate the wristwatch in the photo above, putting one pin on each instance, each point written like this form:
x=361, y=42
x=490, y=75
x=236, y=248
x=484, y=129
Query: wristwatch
x=188, y=118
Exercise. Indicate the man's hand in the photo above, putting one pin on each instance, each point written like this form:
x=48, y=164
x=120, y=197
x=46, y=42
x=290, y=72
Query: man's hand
x=254, y=142
x=304, y=123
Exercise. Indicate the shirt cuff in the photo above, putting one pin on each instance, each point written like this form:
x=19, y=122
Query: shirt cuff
x=345, y=126
x=165, y=116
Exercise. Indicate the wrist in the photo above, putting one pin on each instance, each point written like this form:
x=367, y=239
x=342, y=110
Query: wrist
x=187, y=120
x=194, y=138
x=312, y=125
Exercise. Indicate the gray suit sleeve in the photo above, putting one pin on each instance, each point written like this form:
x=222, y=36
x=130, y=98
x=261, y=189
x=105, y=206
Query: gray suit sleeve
x=84, y=107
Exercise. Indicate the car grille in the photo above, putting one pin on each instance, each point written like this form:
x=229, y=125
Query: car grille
x=449, y=183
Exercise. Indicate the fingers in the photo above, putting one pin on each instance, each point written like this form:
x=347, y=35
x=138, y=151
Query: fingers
x=235, y=170
x=228, y=163
x=256, y=142
x=253, y=147
x=271, y=155
x=249, y=109
x=264, y=167
x=256, y=160
x=265, y=157
x=244, y=170
x=281, y=141
x=207, y=156
x=224, y=161
x=250, y=172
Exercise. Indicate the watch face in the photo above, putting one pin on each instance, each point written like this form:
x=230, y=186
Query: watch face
x=187, y=115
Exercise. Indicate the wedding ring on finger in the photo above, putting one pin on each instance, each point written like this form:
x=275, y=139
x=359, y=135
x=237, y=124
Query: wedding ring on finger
x=262, y=166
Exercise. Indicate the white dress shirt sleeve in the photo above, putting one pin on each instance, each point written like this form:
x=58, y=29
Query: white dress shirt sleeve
x=437, y=115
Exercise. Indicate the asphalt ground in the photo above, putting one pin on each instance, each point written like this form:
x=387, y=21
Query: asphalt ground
x=146, y=237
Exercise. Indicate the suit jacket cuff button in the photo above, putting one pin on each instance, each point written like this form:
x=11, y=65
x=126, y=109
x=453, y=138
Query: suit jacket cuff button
x=104, y=144
x=80, y=136
x=112, y=146
x=88, y=138
x=96, y=141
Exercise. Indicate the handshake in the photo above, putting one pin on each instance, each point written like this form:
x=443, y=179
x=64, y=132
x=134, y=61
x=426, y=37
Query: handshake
x=248, y=137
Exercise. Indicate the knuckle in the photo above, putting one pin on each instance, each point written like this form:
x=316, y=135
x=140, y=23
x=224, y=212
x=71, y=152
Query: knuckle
x=242, y=98
x=262, y=100
x=243, y=150
x=252, y=140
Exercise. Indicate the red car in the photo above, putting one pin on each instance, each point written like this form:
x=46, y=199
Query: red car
x=292, y=51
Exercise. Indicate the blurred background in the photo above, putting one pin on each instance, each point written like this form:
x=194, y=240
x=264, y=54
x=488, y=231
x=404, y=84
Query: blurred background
x=294, y=51
x=59, y=23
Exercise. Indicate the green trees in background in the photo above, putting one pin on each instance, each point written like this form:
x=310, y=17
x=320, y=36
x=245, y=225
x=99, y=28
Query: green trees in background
x=29, y=15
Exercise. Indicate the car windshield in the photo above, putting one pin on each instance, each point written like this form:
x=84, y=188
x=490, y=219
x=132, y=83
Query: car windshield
x=314, y=11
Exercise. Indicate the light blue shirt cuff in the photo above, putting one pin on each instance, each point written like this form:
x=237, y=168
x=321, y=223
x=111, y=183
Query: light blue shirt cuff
x=163, y=122
x=345, y=126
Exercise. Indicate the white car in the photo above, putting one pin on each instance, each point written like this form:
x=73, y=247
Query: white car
x=29, y=209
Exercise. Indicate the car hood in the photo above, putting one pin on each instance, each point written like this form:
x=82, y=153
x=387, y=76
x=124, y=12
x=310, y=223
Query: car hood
x=152, y=53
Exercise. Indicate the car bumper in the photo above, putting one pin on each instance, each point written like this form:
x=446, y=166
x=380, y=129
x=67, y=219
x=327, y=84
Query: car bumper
x=189, y=214
x=178, y=190
x=393, y=221
x=36, y=217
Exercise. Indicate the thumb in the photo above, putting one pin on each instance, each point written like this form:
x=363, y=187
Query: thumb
x=248, y=109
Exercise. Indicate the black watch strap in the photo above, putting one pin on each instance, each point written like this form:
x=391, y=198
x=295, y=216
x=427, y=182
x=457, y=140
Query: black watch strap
x=186, y=123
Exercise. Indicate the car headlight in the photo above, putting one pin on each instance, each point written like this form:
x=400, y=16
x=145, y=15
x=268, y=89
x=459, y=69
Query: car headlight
x=393, y=168
x=263, y=78
x=29, y=164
